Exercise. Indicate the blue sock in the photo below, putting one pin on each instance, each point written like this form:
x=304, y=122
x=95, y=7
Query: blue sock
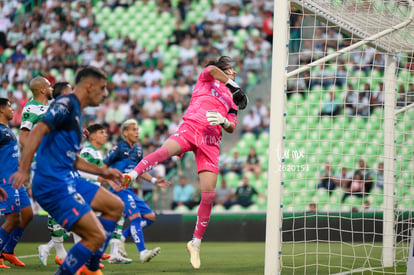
x=77, y=256
x=146, y=223
x=137, y=235
x=4, y=237
x=15, y=237
x=127, y=232
x=109, y=226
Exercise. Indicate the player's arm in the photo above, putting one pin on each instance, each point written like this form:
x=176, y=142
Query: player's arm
x=160, y=182
x=32, y=143
x=215, y=118
x=239, y=97
x=23, y=134
x=83, y=165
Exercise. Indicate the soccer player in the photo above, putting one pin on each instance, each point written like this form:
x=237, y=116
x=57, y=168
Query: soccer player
x=33, y=111
x=57, y=233
x=124, y=156
x=56, y=184
x=213, y=107
x=97, y=138
x=17, y=207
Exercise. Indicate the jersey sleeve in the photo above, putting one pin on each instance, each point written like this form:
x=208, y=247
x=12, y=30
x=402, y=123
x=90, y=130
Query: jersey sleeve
x=31, y=115
x=85, y=154
x=58, y=113
x=205, y=76
x=112, y=156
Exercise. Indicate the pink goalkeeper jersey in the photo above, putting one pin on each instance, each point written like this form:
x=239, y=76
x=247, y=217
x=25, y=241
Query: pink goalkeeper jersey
x=210, y=95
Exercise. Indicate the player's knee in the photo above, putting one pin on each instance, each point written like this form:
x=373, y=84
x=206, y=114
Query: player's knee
x=12, y=220
x=95, y=240
x=118, y=208
x=208, y=197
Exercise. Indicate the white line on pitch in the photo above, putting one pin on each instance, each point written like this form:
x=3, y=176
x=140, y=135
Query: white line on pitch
x=28, y=256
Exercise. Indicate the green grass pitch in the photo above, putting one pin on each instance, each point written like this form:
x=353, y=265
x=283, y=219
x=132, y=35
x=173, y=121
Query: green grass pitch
x=230, y=258
x=216, y=258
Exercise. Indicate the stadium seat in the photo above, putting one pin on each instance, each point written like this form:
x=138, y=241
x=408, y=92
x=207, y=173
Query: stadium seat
x=249, y=138
x=218, y=208
x=181, y=208
x=232, y=179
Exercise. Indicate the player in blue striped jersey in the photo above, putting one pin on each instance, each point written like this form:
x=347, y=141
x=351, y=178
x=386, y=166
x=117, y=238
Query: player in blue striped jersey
x=56, y=184
x=17, y=207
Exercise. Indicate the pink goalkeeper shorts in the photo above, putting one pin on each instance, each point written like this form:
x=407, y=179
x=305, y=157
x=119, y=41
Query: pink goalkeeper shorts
x=203, y=141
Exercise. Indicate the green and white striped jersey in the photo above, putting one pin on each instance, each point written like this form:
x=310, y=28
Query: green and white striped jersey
x=33, y=111
x=92, y=155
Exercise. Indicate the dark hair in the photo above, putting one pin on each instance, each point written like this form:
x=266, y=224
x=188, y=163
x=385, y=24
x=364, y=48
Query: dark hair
x=93, y=129
x=59, y=87
x=223, y=62
x=89, y=71
x=4, y=101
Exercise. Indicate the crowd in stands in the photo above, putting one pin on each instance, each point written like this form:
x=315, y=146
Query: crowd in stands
x=357, y=75
x=358, y=183
x=55, y=38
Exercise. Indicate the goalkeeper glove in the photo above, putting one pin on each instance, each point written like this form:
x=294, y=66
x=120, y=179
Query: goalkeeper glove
x=215, y=118
x=239, y=97
x=128, y=178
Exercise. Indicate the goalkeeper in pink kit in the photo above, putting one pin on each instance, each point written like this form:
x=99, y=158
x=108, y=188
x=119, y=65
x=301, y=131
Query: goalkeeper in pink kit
x=213, y=107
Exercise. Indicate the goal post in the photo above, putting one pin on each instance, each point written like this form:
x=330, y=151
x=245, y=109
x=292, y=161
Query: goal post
x=385, y=27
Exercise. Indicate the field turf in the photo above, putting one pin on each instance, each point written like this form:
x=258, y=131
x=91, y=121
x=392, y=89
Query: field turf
x=232, y=258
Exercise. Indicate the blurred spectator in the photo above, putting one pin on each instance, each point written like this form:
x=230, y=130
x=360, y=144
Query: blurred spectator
x=252, y=163
x=355, y=187
x=378, y=96
x=251, y=123
x=183, y=194
x=223, y=194
x=161, y=128
x=343, y=178
x=235, y=164
x=379, y=176
x=326, y=178
x=365, y=172
x=174, y=123
x=367, y=206
x=115, y=113
x=182, y=90
x=362, y=105
x=268, y=27
x=169, y=106
x=331, y=106
x=119, y=76
x=151, y=75
x=152, y=107
x=244, y=194
x=18, y=55
x=312, y=207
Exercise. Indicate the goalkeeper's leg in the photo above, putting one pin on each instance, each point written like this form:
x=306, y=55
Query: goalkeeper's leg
x=208, y=181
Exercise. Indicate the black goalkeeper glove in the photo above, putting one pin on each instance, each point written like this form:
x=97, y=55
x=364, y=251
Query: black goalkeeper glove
x=239, y=97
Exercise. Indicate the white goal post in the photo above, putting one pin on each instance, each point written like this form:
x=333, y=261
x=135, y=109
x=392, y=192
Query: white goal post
x=386, y=25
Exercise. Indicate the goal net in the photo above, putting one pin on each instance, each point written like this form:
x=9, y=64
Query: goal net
x=342, y=156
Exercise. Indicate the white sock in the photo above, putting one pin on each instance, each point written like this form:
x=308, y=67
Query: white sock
x=50, y=245
x=60, y=249
x=114, y=246
x=142, y=252
x=196, y=242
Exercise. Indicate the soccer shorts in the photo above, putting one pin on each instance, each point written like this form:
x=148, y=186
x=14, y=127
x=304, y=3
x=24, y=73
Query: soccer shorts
x=12, y=204
x=66, y=199
x=204, y=142
x=133, y=204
